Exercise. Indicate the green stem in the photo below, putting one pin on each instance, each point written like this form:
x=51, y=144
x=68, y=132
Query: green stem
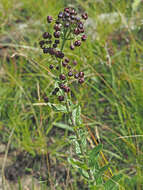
x=62, y=47
x=64, y=40
x=70, y=113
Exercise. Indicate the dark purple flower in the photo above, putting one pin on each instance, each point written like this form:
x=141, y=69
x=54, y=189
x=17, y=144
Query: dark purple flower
x=46, y=99
x=76, y=76
x=59, y=54
x=72, y=47
x=68, y=66
x=57, y=34
x=76, y=31
x=49, y=19
x=57, y=41
x=61, y=85
x=70, y=74
x=41, y=43
x=51, y=66
x=85, y=16
x=46, y=35
x=57, y=27
x=72, y=17
x=55, y=91
x=48, y=41
x=77, y=43
x=67, y=9
x=81, y=74
x=54, y=45
x=62, y=77
x=60, y=15
x=64, y=63
x=57, y=67
x=61, y=98
x=78, y=18
x=52, y=51
x=66, y=89
x=45, y=50
x=67, y=24
x=81, y=80
x=66, y=60
x=83, y=38
x=80, y=25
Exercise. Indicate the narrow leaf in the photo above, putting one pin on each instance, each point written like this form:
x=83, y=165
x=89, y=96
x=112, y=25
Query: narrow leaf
x=112, y=182
x=58, y=107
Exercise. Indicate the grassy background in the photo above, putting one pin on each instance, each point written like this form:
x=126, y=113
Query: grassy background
x=111, y=98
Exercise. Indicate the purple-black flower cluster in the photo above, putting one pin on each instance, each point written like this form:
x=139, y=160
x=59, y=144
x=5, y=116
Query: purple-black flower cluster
x=68, y=26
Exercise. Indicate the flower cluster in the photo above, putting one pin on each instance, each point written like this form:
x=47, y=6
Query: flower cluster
x=68, y=26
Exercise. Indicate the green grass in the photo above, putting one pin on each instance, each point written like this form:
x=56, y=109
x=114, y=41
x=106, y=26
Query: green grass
x=111, y=98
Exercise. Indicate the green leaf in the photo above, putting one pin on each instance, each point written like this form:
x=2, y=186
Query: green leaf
x=63, y=126
x=77, y=163
x=75, y=143
x=112, y=182
x=81, y=141
x=77, y=147
x=99, y=173
x=84, y=173
x=82, y=167
x=93, y=156
x=76, y=114
x=58, y=107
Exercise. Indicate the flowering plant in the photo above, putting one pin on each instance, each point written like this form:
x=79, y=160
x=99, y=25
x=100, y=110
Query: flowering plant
x=68, y=26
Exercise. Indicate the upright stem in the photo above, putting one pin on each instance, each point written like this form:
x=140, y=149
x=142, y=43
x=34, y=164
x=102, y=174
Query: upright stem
x=64, y=40
x=71, y=115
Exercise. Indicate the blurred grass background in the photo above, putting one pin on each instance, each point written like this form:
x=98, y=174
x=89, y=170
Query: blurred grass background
x=111, y=98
